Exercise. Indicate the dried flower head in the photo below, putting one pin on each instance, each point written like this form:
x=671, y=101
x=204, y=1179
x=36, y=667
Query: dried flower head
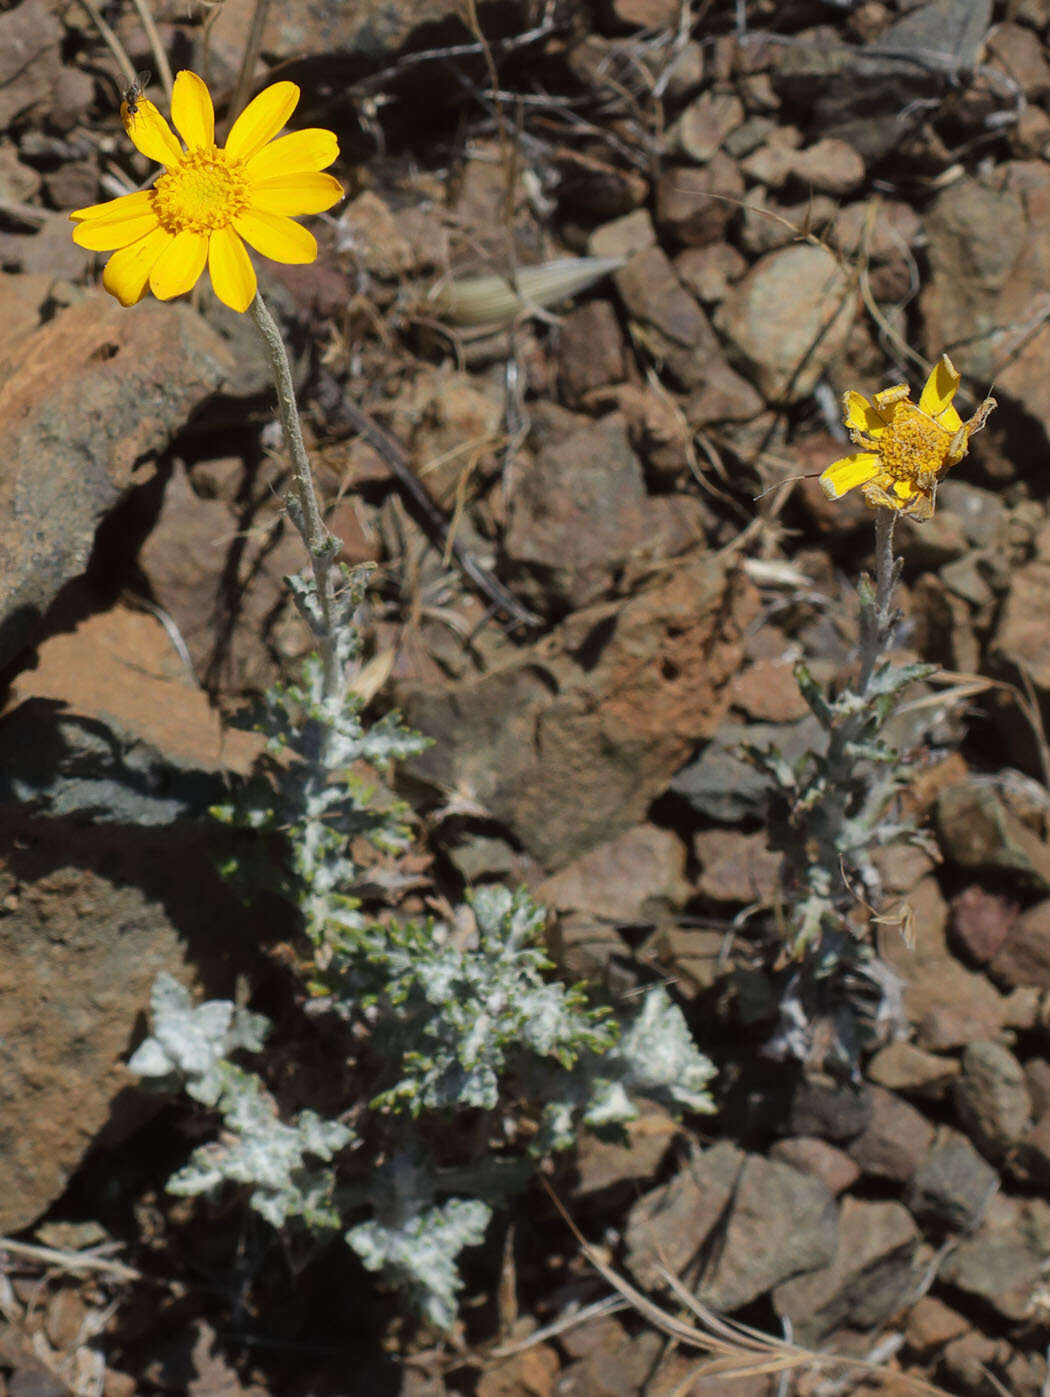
x=906, y=449
x=209, y=201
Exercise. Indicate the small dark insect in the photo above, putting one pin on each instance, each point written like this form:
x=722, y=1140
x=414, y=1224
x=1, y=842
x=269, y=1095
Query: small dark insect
x=135, y=91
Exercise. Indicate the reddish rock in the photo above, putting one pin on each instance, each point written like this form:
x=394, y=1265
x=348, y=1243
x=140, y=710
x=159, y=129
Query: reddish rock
x=1024, y=957
x=810, y=1155
x=685, y=208
x=904, y=1066
x=72, y=443
x=736, y=867
x=667, y=318
x=768, y=692
x=991, y=1098
x=590, y=351
x=932, y=1324
x=626, y=880
x=981, y=921
x=531, y=1373
x=710, y=271
x=948, y=1004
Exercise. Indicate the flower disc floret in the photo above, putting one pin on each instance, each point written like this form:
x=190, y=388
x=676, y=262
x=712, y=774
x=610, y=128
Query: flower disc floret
x=203, y=192
x=906, y=448
x=211, y=201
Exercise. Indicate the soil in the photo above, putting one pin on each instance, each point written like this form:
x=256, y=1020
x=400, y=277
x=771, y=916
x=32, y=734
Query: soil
x=600, y=548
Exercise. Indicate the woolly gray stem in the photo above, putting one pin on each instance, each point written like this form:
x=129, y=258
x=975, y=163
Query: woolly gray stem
x=303, y=509
x=877, y=622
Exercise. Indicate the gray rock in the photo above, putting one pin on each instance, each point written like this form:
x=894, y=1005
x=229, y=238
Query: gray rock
x=895, y=1140
x=952, y=1185
x=722, y=785
x=668, y=1226
x=788, y=318
x=1004, y=1264
x=992, y=1098
x=829, y=1110
x=858, y=94
x=781, y=1223
x=869, y=1279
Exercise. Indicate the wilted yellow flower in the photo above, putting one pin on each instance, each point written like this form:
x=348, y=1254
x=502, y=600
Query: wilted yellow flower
x=907, y=449
x=209, y=201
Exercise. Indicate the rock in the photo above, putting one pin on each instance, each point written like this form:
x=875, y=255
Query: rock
x=669, y=1225
x=948, y=1005
x=88, y=922
x=368, y=37
x=895, y=1140
x=71, y=444
x=1002, y=1265
x=690, y=958
x=989, y=265
x=531, y=1373
x=737, y=867
x=1020, y=642
x=108, y=726
x=590, y=351
x=223, y=591
x=1019, y=53
x=932, y=1324
x=1024, y=957
x=952, y=1185
x=581, y=513
x=767, y=692
x=568, y=741
x=710, y=271
x=594, y=188
x=868, y=1280
x=31, y=37
x=372, y=229
x=829, y=1110
x=666, y=317
x=904, y=1066
x=695, y=205
x=981, y=922
x=616, y=1170
x=781, y=1223
x=828, y=167
x=833, y=1167
x=1032, y=1161
x=991, y=1098
x=788, y=318
x=630, y=879
x=705, y=124
x=857, y=93
x=721, y=785
x=623, y=237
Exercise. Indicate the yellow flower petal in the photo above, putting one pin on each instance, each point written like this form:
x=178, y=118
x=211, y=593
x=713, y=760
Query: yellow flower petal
x=294, y=154
x=121, y=221
x=297, y=194
x=151, y=134
x=261, y=119
x=180, y=264
x=889, y=399
x=860, y=416
x=277, y=237
x=232, y=273
x=106, y=237
x=192, y=112
x=126, y=274
x=126, y=206
x=940, y=389
x=849, y=472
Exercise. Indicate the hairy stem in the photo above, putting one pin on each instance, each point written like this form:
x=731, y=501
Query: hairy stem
x=878, y=621
x=303, y=509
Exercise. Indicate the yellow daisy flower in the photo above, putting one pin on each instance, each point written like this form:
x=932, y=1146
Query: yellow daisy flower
x=209, y=202
x=906, y=449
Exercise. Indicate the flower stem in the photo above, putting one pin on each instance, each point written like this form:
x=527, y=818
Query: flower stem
x=303, y=509
x=878, y=618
